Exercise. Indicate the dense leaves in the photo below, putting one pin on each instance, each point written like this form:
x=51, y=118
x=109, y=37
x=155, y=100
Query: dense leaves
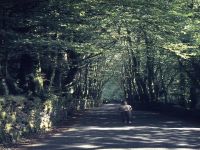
x=70, y=54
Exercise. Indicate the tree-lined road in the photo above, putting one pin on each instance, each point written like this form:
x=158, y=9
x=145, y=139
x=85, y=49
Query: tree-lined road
x=72, y=54
x=101, y=129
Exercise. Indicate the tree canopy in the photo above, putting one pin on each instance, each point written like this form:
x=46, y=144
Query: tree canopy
x=79, y=51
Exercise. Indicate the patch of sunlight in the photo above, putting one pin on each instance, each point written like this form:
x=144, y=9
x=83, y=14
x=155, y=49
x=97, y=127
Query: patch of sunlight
x=109, y=129
x=36, y=145
x=126, y=128
x=182, y=144
x=167, y=128
x=145, y=140
x=142, y=137
x=143, y=149
x=57, y=135
x=72, y=129
x=159, y=140
x=183, y=129
x=86, y=146
x=173, y=122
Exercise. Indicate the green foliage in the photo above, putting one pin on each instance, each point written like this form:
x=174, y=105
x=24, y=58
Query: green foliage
x=21, y=116
x=61, y=56
x=112, y=91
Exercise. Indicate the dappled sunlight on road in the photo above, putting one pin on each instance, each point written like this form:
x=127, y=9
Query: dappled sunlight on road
x=89, y=128
x=87, y=146
x=143, y=149
x=101, y=129
x=132, y=127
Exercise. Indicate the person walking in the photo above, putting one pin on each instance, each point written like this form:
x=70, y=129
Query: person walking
x=126, y=112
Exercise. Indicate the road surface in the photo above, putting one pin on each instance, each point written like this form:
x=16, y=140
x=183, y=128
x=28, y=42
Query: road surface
x=101, y=129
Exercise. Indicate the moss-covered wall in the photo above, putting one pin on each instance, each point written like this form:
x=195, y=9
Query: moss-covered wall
x=20, y=115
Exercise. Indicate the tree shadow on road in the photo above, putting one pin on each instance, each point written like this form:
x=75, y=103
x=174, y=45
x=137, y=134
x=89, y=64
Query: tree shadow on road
x=101, y=129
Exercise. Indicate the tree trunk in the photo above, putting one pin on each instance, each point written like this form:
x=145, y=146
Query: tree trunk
x=193, y=95
x=54, y=69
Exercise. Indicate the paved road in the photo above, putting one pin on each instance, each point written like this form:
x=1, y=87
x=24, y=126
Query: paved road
x=101, y=129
